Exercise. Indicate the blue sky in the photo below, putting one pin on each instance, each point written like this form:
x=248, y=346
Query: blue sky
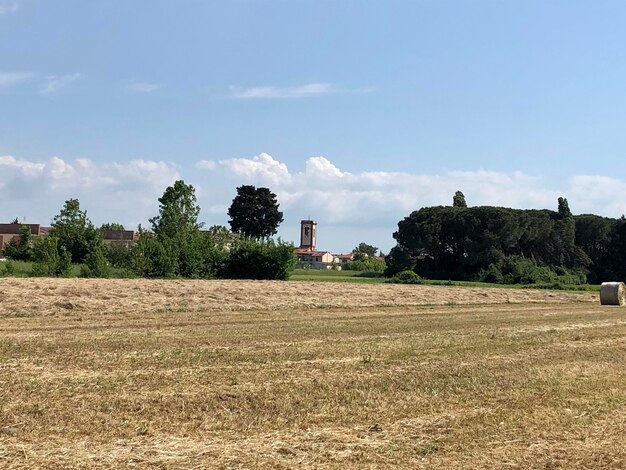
x=353, y=112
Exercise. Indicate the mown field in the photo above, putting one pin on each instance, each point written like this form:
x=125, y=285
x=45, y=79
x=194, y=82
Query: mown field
x=223, y=374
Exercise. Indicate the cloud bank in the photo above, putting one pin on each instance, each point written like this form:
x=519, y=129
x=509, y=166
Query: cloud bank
x=126, y=192
x=349, y=207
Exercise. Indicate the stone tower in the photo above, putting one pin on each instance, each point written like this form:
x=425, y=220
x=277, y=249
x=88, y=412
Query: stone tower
x=308, y=234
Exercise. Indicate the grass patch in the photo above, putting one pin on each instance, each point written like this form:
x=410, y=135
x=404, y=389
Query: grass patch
x=328, y=275
x=361, y=277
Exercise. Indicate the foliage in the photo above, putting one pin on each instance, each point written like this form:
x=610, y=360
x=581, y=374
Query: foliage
x=176, y=247
x=75, y=232
x=254, y=212
x=118, y=255
x=398, y=259
x=491, y=274
x=215, y=252
x=178, y=211
x=9, y=268
x=459, y=200
x=366, y=264
x=520, y=270
x=21, y=247
x=111, y=226
x=149, y=258
x=365, y=250
x=51, y=259
x=461, y=243
x=604, y=241
x=220, y=236
x=96, y=265
x=260, y=259
x=406, y=277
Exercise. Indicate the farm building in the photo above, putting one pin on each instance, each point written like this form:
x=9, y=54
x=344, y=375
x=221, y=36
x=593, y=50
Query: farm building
x=10, y=231
x=118, y=237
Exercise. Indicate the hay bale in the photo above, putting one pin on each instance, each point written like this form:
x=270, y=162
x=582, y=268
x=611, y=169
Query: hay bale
x=613, y=293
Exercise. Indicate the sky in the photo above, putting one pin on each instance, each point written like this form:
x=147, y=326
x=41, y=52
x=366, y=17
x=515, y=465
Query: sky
x=354, y=113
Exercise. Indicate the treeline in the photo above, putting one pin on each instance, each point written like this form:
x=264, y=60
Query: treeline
x=498, y=244
x=175, y=246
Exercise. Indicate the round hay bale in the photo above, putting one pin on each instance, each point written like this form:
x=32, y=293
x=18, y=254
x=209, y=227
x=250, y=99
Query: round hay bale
x=613, y=293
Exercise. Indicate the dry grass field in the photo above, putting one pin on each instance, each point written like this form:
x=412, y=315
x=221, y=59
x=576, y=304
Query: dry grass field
x=218, y=374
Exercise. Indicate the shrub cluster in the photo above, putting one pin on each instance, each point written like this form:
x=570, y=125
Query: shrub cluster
x=370, y=264
x=406, y=277
x=517, y=269
x=175, y=247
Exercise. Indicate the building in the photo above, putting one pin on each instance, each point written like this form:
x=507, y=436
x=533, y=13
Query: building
x=118, y=237
x=343, y=259
x=308, y=235
x=314, y=259
x=308, y=257
x=10, y=231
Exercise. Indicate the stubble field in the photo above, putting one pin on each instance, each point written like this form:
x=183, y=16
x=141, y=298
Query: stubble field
x=243, y=374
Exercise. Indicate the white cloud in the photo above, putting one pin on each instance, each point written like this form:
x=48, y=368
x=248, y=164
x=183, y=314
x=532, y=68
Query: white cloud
x=14, y=78
x=350, y=206
x=300, y=91
x=123, y=191
x=55, y=83
x=8, y=7
x=374, y=201
x=142, y=87
x=260, y=168
x=206, y=165
x=26, y=168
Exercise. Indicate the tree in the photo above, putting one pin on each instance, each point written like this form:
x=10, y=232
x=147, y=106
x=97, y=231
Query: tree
x=178, y=211
x=112, y=226
x=370, y=264
x=363, y=250
x=20, y=248
x=563, y=209
x=50, y=258
x=219, y=236
x=459, y=200
x=254, y=212
x=260, y=259
x=177, y=247
x=75, y=232
x=448, y=243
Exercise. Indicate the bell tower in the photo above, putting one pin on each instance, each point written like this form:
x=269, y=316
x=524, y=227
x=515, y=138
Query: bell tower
x=308, y=234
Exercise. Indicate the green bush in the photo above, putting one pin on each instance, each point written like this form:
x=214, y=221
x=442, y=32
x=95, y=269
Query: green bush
x=260, y=259
x=151, y=259
x=406, y=277
x=20, y=248
x=492, y=274
x=119, y=255
x=96, y=265
x=366, y=264
x=51, y=260
x=521, y=270
x=214, y=261
x=576, y=278
x=9, y=268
